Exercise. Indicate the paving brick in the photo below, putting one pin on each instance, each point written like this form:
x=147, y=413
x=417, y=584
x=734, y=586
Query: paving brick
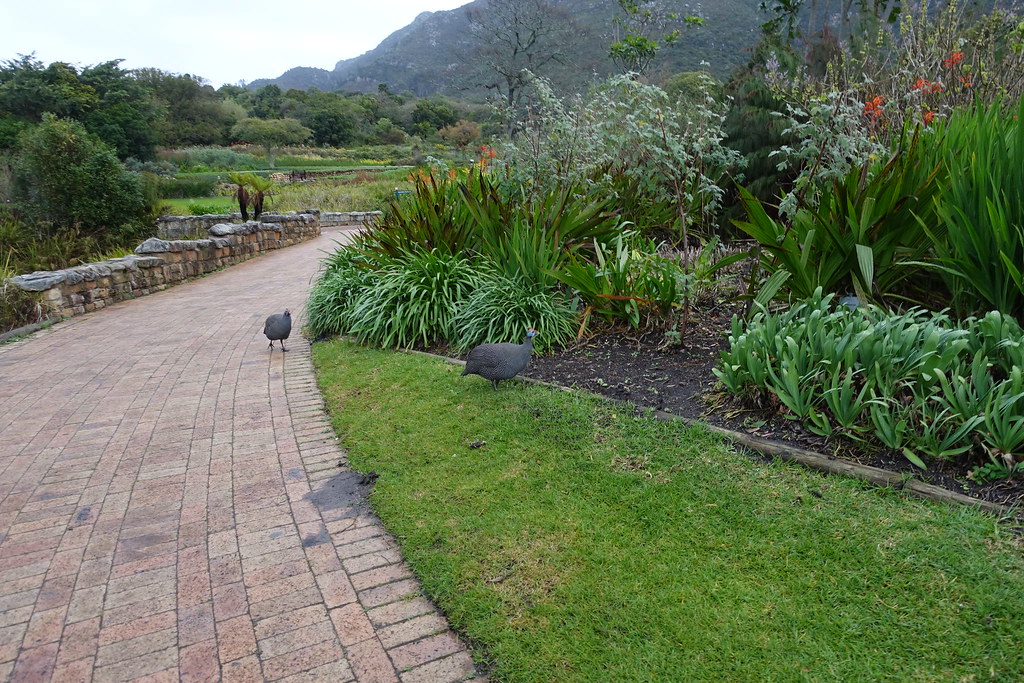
x=456, y=667
x=229, y=601
x=399, y=611
x=275, y=572
x=370, y=663
x=45, y=627
x=235, y=639
x=199, y=662
x=362, y=563
x=336, y=588
x=195, y=623
x=381, y=575
x=296, y=639
x=284, y=603
x=280, y=587
x=36, y=664
x=138, y=627
x=336, y=672
x=288, y=621
x=137, y=610
x=351, y=624
x=389, y=592
x=412, y=629
x=136, y=647
x=245, y=670
x=137, y=667
x=225, y=569
x=79, y=671
x=425, y=650
x=303, y=659
x=80, y=640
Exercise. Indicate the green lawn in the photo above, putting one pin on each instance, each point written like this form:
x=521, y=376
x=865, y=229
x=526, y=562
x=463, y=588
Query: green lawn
x=584, y=543
x=181, y=206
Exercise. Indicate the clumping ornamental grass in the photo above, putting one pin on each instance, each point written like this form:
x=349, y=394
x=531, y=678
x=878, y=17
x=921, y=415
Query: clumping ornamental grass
x=586, y=541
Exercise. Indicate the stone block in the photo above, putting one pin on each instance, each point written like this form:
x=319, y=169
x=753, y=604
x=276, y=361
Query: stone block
x=38, y=281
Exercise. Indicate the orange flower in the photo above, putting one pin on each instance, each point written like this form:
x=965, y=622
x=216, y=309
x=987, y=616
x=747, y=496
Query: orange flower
x=954, y=58
x=873, y=107
x=966, y=83
x=928, y=116
x=922, y=84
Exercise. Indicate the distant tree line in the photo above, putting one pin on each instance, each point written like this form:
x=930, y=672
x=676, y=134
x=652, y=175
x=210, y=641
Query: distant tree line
x=136, y=111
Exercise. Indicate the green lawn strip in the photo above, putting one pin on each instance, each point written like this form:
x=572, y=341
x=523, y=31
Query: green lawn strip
x=224, y=204
x=585, y=543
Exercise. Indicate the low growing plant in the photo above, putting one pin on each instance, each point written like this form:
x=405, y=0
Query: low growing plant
x=502, y=309
x=915, y=382
x=411, y=299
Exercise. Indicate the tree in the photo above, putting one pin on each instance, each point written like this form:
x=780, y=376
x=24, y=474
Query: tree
x=29, y=89
x=461, y=133
x=333, y=119
x=190, y=110
x=518, y=39
x=266, y=102
x=65, y=177
x=111, y=102
x=124, y=114
x=436, y=111
x=271, y=133
x=647, y=29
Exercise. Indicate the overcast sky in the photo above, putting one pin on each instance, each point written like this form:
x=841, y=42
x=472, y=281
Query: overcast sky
x=224, y=42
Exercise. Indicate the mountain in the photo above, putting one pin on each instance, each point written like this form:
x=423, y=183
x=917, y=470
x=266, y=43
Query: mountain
x=434, y=54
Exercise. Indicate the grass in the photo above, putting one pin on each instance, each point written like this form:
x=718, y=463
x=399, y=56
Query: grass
x=583, y=542
x=371, y=195
x=180, y=207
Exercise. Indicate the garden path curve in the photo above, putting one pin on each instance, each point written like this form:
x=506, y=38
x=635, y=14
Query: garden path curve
x=172, y=505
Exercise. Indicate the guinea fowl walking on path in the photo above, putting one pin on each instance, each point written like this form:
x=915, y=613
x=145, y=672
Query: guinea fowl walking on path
x=278, y=326
x=499, y=361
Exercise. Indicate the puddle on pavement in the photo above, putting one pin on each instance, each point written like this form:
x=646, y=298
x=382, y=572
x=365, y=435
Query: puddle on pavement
x=344, y=491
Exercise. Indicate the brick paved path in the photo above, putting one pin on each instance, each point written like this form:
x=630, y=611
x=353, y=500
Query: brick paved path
x=171, y=505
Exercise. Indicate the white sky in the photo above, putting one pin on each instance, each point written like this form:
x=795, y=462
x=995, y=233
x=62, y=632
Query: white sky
x=223, y=42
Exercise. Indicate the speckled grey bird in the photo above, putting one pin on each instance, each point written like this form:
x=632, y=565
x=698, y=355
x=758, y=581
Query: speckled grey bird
x=278, y=327
x=499, y=361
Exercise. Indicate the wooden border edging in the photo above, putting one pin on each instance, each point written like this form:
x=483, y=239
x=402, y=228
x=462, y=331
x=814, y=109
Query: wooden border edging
x=812, y=459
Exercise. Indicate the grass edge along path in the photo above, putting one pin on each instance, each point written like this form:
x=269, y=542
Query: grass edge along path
x=573, y=539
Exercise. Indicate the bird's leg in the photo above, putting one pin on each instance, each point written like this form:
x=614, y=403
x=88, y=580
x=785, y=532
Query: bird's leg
x=494, y=383
x=271, y=347
x=282, y=345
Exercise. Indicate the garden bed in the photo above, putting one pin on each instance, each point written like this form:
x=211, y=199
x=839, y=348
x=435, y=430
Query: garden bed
x=678, y=379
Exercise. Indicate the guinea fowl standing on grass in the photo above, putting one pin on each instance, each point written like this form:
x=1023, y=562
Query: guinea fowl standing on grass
x=278, y=326
x=499, y=361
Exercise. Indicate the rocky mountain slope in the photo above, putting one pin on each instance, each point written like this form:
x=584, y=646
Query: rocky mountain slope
x=435, y=53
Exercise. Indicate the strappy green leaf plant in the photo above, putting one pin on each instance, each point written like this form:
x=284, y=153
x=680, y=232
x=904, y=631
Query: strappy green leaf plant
x=862, y=232
x=979, y=237
x=915, y=382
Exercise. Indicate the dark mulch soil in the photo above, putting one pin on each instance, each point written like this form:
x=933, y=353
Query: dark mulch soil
x=647, y=371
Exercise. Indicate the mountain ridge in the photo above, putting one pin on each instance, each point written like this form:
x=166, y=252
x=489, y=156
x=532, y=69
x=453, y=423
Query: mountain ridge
x=432, y=53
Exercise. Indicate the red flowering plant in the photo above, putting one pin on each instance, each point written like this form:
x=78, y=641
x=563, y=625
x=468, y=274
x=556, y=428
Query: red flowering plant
x=929, y=61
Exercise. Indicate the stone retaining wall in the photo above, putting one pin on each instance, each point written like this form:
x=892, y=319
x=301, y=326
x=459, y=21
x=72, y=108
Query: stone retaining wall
x=158, y=264
x=179, y=227
x=332, y=218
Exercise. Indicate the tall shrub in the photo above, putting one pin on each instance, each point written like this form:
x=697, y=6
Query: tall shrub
x=67, y=178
